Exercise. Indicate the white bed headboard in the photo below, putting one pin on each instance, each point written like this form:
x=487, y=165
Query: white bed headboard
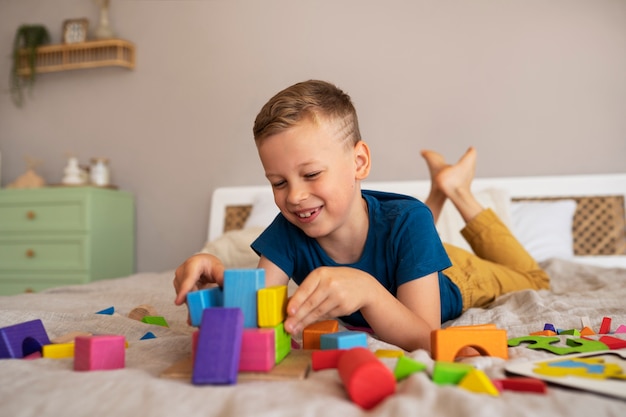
x=539, y=186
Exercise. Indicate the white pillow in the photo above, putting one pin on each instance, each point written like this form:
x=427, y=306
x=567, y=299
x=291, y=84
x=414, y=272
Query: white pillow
x=263, y=212
x=544, y=228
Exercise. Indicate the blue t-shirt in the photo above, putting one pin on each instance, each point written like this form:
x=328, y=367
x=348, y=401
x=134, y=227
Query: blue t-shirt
x=402, y=245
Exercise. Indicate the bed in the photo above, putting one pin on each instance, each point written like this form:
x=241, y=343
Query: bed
x=573, y=224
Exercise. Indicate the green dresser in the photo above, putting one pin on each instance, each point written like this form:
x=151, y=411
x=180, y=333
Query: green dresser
x=55, y=236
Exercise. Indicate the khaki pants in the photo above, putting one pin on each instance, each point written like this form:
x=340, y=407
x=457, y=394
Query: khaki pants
x=500, y=264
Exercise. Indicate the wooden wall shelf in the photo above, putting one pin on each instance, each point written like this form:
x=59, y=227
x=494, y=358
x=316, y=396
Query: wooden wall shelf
x=90, y=54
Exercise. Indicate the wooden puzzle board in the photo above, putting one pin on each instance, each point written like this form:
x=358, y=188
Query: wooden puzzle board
x=296, y=365
x=614, y=387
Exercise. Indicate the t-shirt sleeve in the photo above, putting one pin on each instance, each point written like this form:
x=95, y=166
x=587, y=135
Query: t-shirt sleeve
x=275, y=244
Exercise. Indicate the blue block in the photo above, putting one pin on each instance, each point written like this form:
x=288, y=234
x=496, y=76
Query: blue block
x=22, y=339
x=240, y=288
x=343, y=340
x=107, y=311
x=197, y=301
x=219, y=347
x=549, y=326
x=148, y=335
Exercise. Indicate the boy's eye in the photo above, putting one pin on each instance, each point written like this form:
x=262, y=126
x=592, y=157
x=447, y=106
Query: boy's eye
x=312, y=174
x=278, y=184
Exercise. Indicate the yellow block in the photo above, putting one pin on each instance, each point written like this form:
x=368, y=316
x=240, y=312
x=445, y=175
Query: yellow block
x=477, y=381
x=58, y=351
x=271, y=305
x=388, y=353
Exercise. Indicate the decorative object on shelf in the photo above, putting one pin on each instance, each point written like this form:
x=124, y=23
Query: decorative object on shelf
x=75, y=30
x=74, y=174
x=29, y=179
x=99, y=172
x=28, y=38
x=104, y=31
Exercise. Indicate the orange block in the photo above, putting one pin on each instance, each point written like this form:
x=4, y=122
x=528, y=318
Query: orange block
x=543, y=333
x=312, y=333
x=485, y=338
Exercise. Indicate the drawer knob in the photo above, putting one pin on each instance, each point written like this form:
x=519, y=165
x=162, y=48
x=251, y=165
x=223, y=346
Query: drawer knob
x=30, y=215
x=30, y=253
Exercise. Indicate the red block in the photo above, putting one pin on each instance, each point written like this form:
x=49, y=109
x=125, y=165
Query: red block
x=367, y=380
x=605, y=327
x=521, y=384
x=326, y=359
x=613, y=342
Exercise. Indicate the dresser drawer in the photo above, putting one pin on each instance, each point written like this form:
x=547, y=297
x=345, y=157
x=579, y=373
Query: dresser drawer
x=17, y=283
x=43, y=253
x=42, y=216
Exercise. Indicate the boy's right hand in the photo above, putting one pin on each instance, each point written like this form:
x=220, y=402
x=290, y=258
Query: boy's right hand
x=197, y=272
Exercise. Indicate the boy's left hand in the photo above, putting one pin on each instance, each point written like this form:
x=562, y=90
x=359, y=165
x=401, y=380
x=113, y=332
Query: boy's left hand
x=328, y=292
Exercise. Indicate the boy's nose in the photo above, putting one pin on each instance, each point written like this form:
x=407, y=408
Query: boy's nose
x=297, y=194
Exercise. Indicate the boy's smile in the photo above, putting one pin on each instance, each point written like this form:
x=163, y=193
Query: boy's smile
x=315, y=176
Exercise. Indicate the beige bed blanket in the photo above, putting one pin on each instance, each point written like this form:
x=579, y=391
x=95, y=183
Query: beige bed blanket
x=49, y=387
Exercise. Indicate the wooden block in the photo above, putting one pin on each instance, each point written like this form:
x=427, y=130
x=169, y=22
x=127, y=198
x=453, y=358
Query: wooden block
x=605, y=327
x=92, y=353
x=343, y=340
x=544, y=333
x=477, y=381
x=272, y=305
x=326, y=359
x=449, y=373
x=258, y=350
x=148, y=335
x=549, y=326
x=69, y=337
x=295, y=366
x=219, y=346
x=571, y=332
x=613, y=342
x=156, y=320
x=22, y=339
x=388, y=353
x=142, y=311
x=197, y=301
x=58, y=350
x=240, y=291
x=620, y=329
x=366, y=379
x=406, y=367
x=283, y=342
x=522, y=384
x=312, y=333
x=587, y=331
x=485, y=338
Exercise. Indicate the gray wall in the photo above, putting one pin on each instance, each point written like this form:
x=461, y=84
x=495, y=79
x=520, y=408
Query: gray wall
x=538, y=86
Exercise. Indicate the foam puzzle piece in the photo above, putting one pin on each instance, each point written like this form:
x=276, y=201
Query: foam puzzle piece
x=219, y=346
x=240, y=291
x=477, y=381
x=22, y=339
x=272, y=305
x=485, y=338
x=258, y=350
x=107, y=311
x=58, y=350
x=366, y=379
x=197, y=301
x=93, y=353
x=326, y=359
x=605, y=327
x=547, y=343
x=343, y=340
x=521, y=384
x=156, y=320
x=406, y=366
x=449, y=373
x=283, y=342
x=312, y=333
x=580, y=367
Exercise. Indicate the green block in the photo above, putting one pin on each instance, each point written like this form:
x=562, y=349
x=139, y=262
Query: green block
x=283, y=342
x=450, y=373
x=407, y=366
x=156, y=320
x=573, y=332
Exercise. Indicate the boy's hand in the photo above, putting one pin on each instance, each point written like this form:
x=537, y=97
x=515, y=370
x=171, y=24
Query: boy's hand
x=197, y=272
x=328, y=292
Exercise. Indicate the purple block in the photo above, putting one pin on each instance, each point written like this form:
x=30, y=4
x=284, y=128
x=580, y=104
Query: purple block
x=219, y=346
x=22, y=339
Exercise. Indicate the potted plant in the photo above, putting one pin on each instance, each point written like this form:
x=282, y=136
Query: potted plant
x=29, y=38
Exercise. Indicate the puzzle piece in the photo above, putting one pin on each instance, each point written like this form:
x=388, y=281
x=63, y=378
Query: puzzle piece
x=547, y=343
x=580, y=367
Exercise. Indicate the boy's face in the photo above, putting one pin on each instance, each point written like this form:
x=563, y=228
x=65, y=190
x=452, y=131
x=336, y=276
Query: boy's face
x=315, y=177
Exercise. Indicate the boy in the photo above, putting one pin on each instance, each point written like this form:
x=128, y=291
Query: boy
x=371, y=258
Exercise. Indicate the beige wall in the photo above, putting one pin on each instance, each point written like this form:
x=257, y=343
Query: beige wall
x=539, y=86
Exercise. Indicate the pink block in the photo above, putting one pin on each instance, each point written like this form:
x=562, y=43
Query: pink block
x=92, y=353
x=258, y=350
x=621, y=329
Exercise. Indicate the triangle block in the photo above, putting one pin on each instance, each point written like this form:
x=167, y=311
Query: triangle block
x=477, y=381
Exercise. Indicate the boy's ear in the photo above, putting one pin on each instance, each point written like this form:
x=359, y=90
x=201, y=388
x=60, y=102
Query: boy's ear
x=362, y=160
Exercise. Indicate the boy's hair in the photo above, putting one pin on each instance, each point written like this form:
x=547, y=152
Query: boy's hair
x=312, y=99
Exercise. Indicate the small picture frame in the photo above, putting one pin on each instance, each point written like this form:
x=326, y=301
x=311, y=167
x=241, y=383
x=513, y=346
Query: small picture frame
x=75, y=30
